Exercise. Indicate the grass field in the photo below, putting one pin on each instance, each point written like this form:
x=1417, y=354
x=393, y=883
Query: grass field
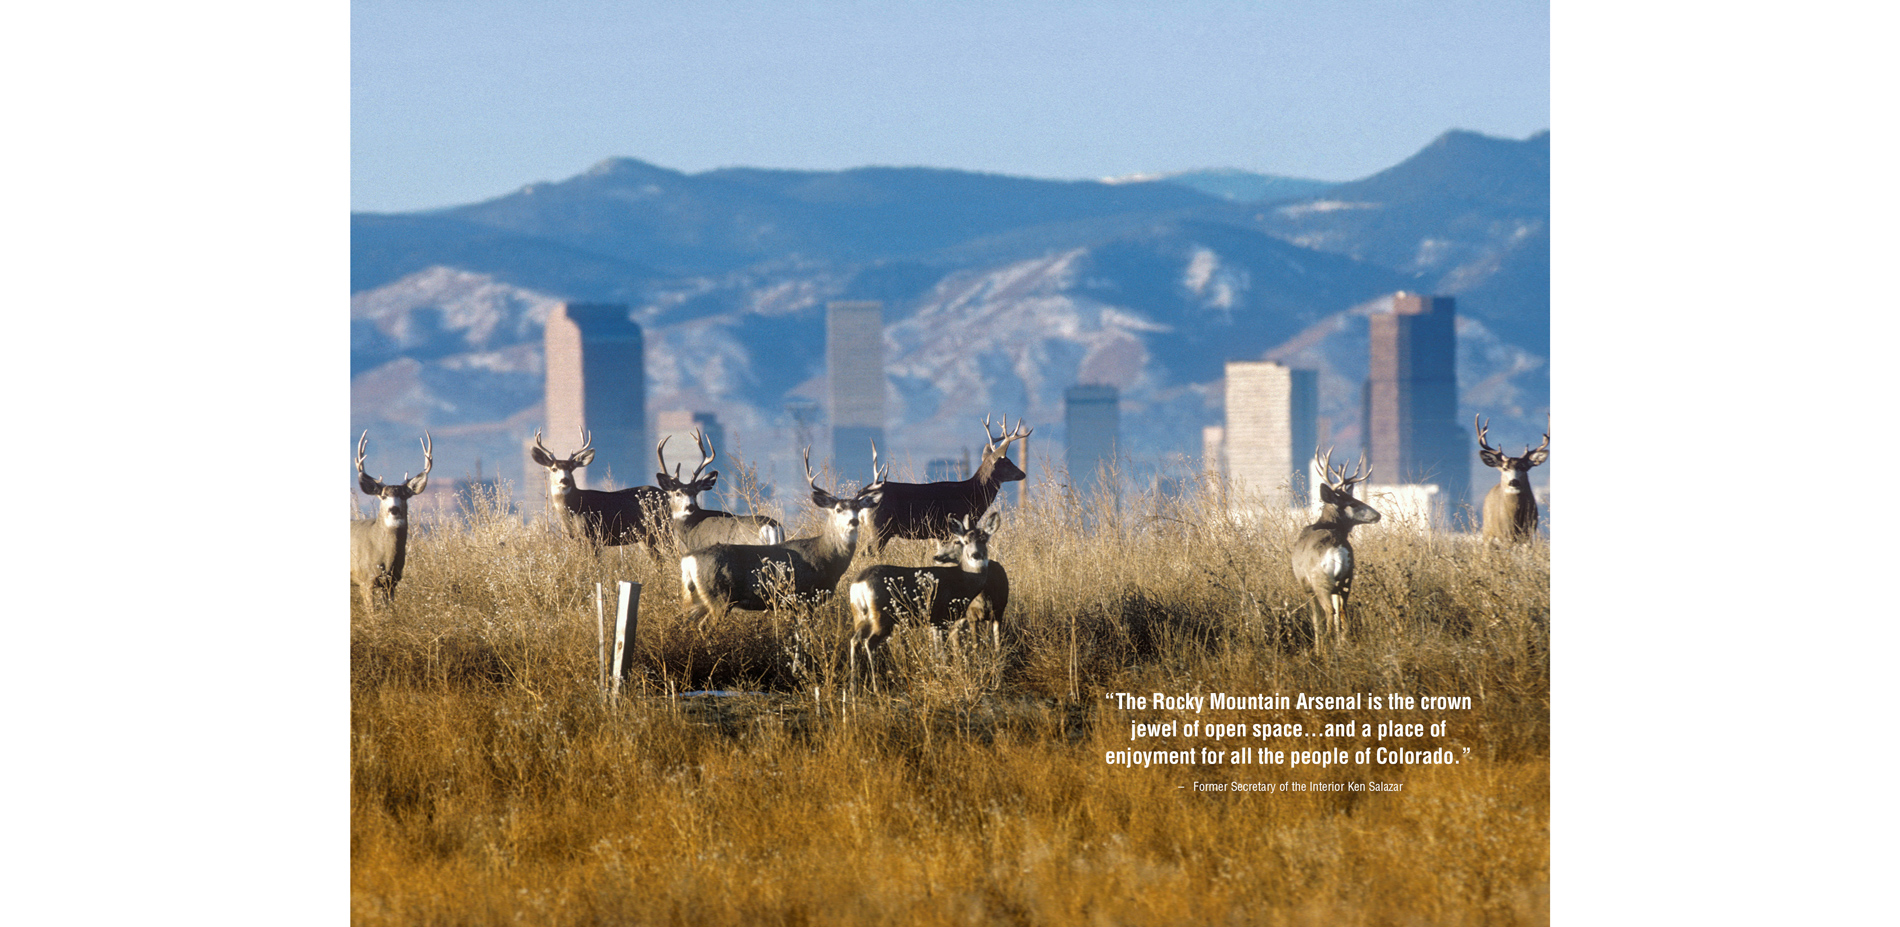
x=492, y=781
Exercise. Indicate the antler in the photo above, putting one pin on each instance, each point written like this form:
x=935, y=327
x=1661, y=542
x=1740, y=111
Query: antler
x=877, y=476
x=1541, y=447
x=1337, y=477
x=1484, y=430
x=1325, y=466
x=1360, y=473
x=705, y=453
x=1007, y=437
x=362, y=451
x=537, y=442
x=428, y=453
x=587, y=441
x=809, y=478
x=660, y=452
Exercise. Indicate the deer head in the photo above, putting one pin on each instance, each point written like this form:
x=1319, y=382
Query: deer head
x=996, y=464
x=968, y=544
x=1336, y=493
x=684, y=494
x=846, y=514
x=561, y=470
x=1513, y=470
x=393, y=498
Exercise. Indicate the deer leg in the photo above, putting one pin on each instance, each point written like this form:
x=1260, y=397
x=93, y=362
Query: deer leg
x=1338, y=617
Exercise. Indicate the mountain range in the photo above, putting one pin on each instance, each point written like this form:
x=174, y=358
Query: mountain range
x=999, y=292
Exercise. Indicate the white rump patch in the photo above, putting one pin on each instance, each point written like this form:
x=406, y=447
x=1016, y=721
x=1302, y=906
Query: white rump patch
x=689, y=569
x=861, y=598
x=1337, y=562
x=771, y=535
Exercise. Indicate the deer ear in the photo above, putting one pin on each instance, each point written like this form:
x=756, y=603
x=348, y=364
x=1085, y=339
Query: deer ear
x=370, y=484
x=416, y=485
x=541, y=457
x=1491, y=458
x=584, y=458
x=992, y=521
x=822, y=499
x=1539, y=456
x=869, y=500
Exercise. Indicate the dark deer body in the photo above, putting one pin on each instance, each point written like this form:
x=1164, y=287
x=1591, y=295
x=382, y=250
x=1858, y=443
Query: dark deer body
x=719, y=578
x=1322, y=554
x=925, y=510
x=1510, y=508
x=379, y=547
x=697, y=527
x=942, y=595
x=990, y=605
x=608, y=518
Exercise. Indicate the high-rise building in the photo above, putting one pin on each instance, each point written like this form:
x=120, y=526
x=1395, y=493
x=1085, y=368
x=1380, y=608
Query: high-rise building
x=1411, y=399
x=854, y=362
x=1272, y=426
x=1092, y=419
x=596, y=382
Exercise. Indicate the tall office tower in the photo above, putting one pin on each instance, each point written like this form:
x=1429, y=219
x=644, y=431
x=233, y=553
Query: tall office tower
x=854, y=359
x=1272, y=425
x=1411, y=399
x=597, y=382
x=1092, y=417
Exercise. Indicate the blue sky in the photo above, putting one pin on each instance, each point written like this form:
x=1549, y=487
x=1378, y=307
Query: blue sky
x=456, y=102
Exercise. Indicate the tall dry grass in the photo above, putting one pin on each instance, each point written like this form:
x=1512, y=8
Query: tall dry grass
x=493, y=782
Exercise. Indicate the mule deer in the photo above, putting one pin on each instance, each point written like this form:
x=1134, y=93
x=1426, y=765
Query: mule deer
x=987, y=607
x=716, y=579
x=698, y=527
x=1322, y=555
x=1510, y=508
x=942, y=595
x=379, y=546
x=925, y=510
x=608, y=518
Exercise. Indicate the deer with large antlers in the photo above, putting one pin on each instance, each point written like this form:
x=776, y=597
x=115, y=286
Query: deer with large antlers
x=925, y=510
x=698, y=527
x=719, y=578
x=1322, y=553
x=608, y=518
x=944, y=596
x=1510, y=508
x=379, y=546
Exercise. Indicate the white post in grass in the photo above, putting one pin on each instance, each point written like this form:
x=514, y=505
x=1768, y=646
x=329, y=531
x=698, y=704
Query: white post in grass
x=600, y=632
x=625, y=624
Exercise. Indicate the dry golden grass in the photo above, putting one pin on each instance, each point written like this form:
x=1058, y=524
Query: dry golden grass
x=493, y=782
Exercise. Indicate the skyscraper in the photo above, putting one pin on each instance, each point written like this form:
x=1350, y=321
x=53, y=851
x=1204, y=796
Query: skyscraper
x=596, y=382
x=1272, y=425
x=1411, y=399
x=1092, y=419
x=854, y=361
